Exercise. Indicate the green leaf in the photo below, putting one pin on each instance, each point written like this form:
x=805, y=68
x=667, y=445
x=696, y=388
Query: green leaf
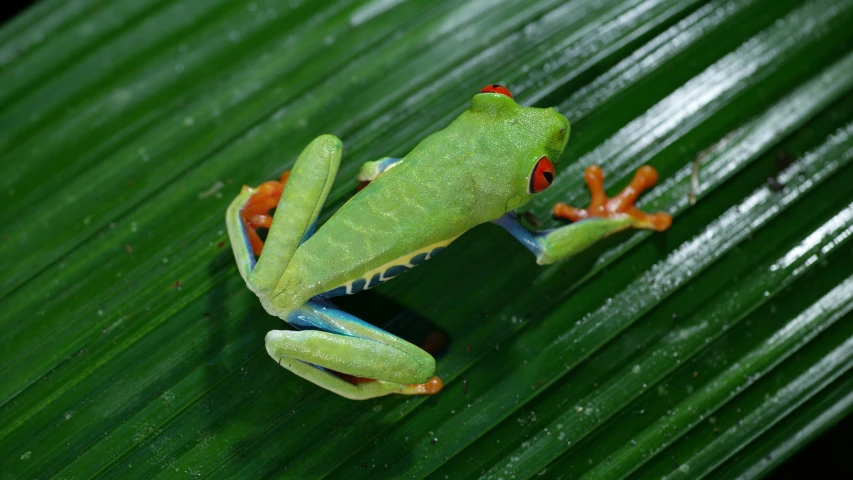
x=132, y=349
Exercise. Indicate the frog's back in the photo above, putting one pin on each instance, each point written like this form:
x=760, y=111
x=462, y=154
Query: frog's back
x=403, y=218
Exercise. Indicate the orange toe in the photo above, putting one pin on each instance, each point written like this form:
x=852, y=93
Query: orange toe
x=431, y=387
x=562, y=210
x=256, y=213
x=622, y=204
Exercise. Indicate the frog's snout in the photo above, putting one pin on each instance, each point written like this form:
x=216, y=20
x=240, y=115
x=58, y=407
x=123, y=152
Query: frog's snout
x=562, y=127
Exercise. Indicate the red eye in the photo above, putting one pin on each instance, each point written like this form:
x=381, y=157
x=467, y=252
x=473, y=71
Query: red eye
x=543, y=175
x=496, y=89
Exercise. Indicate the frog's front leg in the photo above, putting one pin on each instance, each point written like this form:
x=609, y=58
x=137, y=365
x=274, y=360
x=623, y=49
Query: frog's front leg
x=354, y=359
x=308, y=187
x=370, y=171
x=604, y=216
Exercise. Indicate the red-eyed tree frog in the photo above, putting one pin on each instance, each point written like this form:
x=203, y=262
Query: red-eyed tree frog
x=488, y=162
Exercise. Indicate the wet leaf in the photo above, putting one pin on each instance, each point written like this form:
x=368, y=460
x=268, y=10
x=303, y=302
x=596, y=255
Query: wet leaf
x=131, y=347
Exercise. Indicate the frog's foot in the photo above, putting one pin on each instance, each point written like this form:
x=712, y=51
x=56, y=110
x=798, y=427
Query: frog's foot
x=620, y=207
x=433, y=386
x=259, y=210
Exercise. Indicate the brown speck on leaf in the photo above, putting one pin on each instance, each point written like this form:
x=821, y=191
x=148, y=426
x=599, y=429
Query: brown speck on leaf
x=775, y=184
x=130, y=183
x=220, y=244
x=783, y=160
x=694, y=180
x=716, y=430
x=468, y=347
x=697, y=163
x=177, y=285
x=128, y=249
x=695, y=374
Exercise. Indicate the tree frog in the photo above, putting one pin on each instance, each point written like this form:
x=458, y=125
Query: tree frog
x=489, y=161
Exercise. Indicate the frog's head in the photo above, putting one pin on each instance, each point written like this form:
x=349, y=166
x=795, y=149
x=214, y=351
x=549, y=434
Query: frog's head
x=532, y=138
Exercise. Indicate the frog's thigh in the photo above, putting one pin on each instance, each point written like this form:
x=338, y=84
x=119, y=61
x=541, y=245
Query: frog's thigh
x=301, y=201
x=341, y=342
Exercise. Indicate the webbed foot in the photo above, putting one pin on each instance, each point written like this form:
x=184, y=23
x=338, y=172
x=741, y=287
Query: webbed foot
x=621, y=205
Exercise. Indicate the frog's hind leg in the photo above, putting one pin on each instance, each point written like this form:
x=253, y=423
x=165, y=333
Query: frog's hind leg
x=297, y=210
x=350, y=357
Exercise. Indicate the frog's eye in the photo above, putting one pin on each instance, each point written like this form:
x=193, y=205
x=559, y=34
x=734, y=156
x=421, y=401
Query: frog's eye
x=543, y=175
x=496, y=89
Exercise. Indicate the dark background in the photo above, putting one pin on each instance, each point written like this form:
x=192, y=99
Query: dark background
x=825, y=457
x=10, y=8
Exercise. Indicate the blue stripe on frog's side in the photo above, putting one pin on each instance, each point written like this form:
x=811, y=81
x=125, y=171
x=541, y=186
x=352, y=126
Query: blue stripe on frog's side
x=387, y=162
x=337, y=292
x=375, y=278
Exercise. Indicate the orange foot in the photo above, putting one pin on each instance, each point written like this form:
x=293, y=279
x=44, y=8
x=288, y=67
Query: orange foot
x=431, y=387
x=258, y=211
x=622, y=204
